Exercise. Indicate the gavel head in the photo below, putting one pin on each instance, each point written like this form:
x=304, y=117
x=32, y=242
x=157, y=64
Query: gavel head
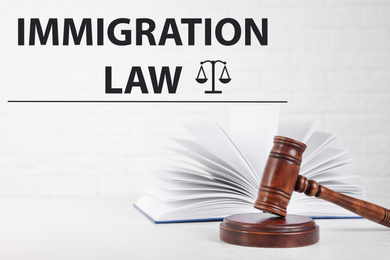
x=280, y=175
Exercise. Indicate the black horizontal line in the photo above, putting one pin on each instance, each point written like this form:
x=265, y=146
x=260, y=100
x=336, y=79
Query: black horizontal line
x=147, y=101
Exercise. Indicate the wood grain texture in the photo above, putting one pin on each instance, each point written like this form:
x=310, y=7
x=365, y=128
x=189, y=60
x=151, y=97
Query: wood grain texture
x=362, y=208
x=280, y=172
x=266, y=230
x=280, y=179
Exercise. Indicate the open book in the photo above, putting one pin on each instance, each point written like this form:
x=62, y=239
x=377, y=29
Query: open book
x=216, y=174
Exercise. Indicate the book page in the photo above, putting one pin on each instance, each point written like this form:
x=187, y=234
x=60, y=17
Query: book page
x=181, y=195
x=315, y=144
x=212, y=138
x=297, y=130
x=337, y=162
x=326, y=155
x=252, y=129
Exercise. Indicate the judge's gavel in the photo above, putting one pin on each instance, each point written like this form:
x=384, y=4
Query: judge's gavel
x=280, y=179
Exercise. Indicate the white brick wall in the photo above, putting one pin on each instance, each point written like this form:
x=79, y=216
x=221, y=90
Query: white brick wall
x=329, y=59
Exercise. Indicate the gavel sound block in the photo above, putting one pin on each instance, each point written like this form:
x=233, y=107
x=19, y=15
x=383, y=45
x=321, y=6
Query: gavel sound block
x=280, y=179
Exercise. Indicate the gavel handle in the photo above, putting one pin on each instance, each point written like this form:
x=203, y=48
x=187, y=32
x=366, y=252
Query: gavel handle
x=362, y=208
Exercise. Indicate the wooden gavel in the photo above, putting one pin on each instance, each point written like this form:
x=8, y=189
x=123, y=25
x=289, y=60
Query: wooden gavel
x=280, y=179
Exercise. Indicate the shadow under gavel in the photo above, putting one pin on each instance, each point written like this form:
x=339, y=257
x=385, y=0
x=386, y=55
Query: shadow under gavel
x=280, y=178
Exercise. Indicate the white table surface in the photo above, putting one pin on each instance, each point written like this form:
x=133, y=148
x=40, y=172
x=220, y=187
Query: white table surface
x=113, y=229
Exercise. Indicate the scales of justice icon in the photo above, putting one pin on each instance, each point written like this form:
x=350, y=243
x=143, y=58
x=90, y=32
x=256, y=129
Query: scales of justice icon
x=202, y=78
